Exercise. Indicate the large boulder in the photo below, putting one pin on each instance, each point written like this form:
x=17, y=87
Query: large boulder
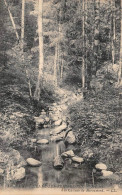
x=42, y=141
x=68, y=153
x=77, y=159
x=59, y=129
x=21, y=162
x=106, y=173
x=19, y=174
x=33, y=162
x=100, y=166
x=70, y=138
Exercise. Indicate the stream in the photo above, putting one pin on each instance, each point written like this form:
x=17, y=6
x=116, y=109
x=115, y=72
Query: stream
x=72, y=174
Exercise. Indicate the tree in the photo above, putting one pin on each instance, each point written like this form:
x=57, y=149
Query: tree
x=96, y=35
x=12, y=20
x=22, y=24
x=113, y=30
x=83, y=37
x=40, y=34
x=120, y=59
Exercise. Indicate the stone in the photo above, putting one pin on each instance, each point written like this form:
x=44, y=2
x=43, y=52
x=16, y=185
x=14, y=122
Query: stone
x=70, y=138
x=33, y=140
x=77, y=159
x=101, y=166
x=58, y=137
x=68, y=153
x=58, y=162
x=59, y=129
x=39, y=120
x=19, y=174
x=107, y=173
x=33, y=162
x=1, y=171
x=42, y=141
x=58, y=122
x=21, y=163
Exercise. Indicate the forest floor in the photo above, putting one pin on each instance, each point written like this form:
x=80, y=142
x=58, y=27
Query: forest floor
x=95, y=120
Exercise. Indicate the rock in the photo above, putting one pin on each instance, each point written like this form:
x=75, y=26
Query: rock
x=33, y=162
x=15, y=157
x=22, y=162
x=19, y=174
x=77, y=159
x=107, y=173
x=1, y=171
x=42, y=141
x=58, y=162
x=58, y=122
x=33, y=140
x=70, y=138
x=59, y=129
x=101, y=166
x=58, y=137
x=39, y=120
x=68, y=153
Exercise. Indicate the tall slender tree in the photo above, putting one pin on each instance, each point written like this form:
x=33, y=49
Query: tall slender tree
x=83, y=38
x=41, y=61
x=96, y=35
x=12, y=20
x=113, y=30
x=22, y=24
x=120, y=58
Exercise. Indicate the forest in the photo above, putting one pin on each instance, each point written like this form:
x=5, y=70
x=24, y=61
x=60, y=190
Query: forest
x=60, y=94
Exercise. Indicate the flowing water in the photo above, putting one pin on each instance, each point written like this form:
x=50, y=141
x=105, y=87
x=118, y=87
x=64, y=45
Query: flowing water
x=72, y=174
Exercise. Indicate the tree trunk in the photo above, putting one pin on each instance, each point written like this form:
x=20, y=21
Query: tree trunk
x=22, y=24
x=55, y=65
x=40, y=34
x=12, y=20
x=113, y=30
x=83, y=55
x=62, y=68
x=96, y=36
x=22, y=44
x=120, y=59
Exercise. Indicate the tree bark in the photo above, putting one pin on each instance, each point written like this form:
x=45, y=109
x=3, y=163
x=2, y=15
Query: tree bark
x=12, y=20
x=83, y=55
x=120, y=59
x=55, y=65
x=22, y=24
x=113, y=30
x=96, y=36
x=40, y=34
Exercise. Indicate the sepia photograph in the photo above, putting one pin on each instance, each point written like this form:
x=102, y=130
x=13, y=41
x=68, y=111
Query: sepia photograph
x=60, y=97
